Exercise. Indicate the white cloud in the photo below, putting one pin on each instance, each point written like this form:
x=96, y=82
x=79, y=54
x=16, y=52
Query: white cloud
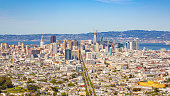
x=114, y=1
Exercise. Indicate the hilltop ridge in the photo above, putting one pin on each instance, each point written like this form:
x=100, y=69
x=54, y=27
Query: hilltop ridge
x=141, y=34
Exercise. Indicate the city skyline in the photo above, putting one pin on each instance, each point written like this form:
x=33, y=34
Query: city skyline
x=83, y=68
x=84, y=48
x=82, y=16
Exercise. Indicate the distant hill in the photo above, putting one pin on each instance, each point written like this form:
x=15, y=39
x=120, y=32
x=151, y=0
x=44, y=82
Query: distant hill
x=141, y=34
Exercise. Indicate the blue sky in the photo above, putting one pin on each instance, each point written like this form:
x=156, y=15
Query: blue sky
x=82, y=16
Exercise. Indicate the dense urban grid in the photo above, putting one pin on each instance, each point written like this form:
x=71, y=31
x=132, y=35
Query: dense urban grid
x=86, y=68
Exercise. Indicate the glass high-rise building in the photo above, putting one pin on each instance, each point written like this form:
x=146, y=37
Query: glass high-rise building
x=67, y=54
x=95, y=39
x=53, y=39
x=110, y=50
x=137, y=44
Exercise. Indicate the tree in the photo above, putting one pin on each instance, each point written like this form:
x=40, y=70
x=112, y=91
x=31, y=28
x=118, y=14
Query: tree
x=30, y=81
x=113, y=85
x=168, y=80
x=136, y=89
x=32, y=88
x=24, y=78
x=65, y=79
x=156, y=90
x=55, y=94
x=73, y=76
x=131, y=76
x=53, y=81
x=5, y=82
x=114, y=70
x=60, y=82
x=54, y=89
x=70, y=84
x=38, y=93
x=115, y=93
x=63, y=94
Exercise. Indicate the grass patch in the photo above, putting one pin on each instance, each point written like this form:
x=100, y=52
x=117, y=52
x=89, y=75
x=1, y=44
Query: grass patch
x=16, y=90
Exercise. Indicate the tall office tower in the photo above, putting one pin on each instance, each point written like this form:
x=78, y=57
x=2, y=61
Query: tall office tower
x=110, y=51
x=82, y=47
x=106, y=49
x=101, y=40
x=97, y=47
x=137, y=45
x=2, y=46
x=88, y=55
x=90, y=41
x=12, y=46
x=53, y=48
x=27, y=49
x=75, y=54
x=82, y=42
x=42, y=42
x=133, y=45
x=67, y=54
x=95, y=39
x=19, y=43
x=22, y=45
x=113, y=43
x=130, y=45
x=6, y=45
x=53, y=39
x=64, y=46
x=101, y=47
x=75, y=45
x=126, y=45
x=58, y=43
x=70, y=43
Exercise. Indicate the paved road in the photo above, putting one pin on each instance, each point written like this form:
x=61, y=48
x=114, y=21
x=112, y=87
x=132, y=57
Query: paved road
x=87, y=79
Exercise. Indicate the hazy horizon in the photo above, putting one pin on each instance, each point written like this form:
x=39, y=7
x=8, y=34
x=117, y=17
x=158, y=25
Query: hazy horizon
x=78, y=33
